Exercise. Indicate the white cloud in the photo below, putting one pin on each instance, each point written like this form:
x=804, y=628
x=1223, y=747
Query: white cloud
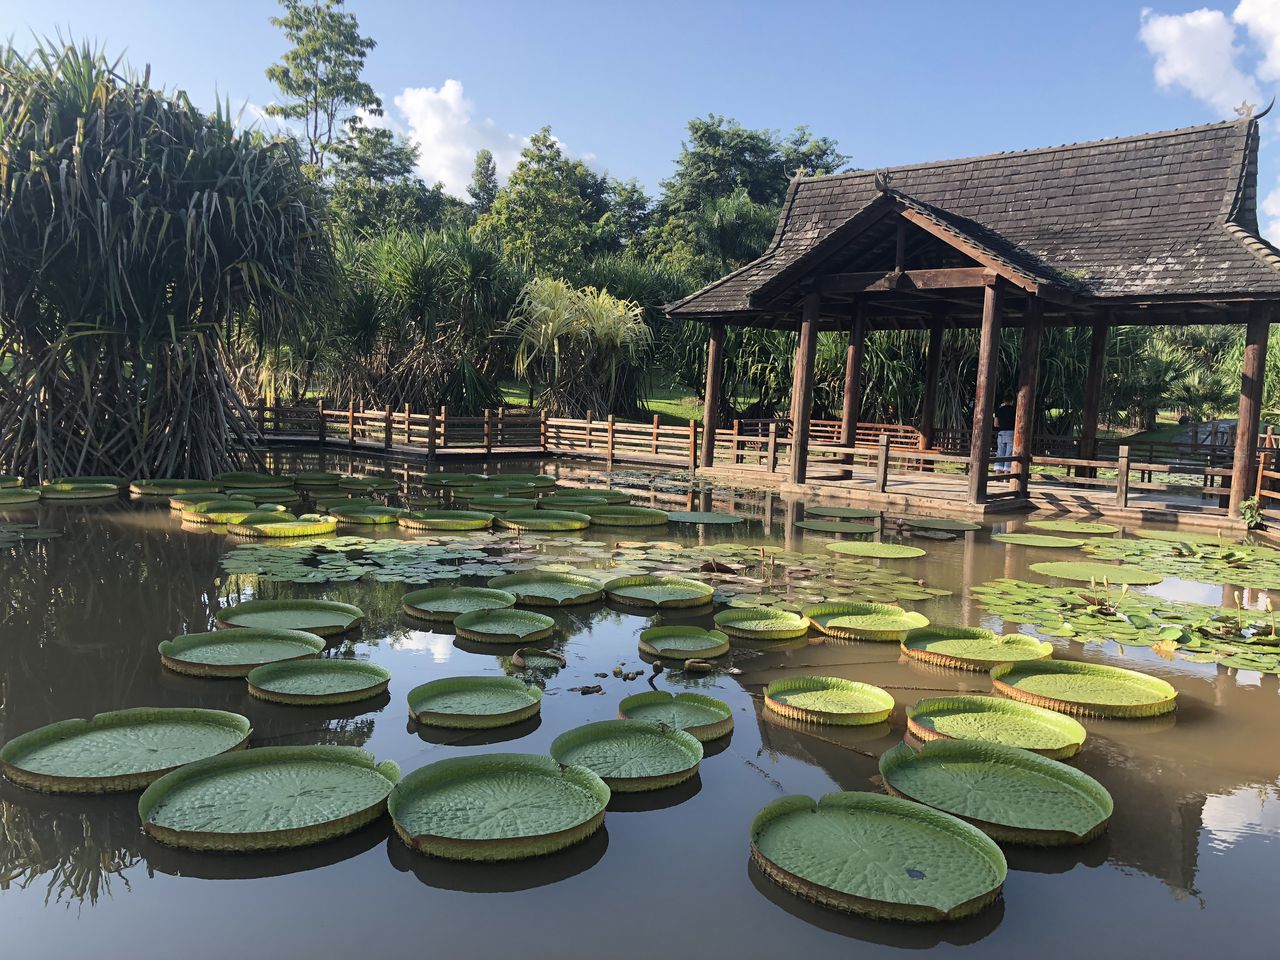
x=441, y=121
x=1197, y=51
x=1270, y=225
x=1262, y=19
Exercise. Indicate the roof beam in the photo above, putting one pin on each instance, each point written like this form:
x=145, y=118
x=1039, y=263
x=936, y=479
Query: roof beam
x=907, y=280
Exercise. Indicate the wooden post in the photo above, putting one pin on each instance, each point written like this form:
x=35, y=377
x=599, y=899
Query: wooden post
x=608, y=450
x=589, y=413
x=984, y=395
x=322, y=428
x=1092, y=400
x=853, y=354
x=693, y=446
x=262, y=415
x=487, y=434
x=932, y=368
x=444, y=426
x=802, y=387
x=655, y=435
x=882, y=463
x=711, y=395
x=737, y=432
x=351, y=423
x=431, y=434
x=1250, y=406
x=1028, y=382
x=500, y=428
x=542, y=430
x=408, y=427
x=1264, y=464
x=275, y=416
x=773, y=446
x=1122, y=478
x=386, y=429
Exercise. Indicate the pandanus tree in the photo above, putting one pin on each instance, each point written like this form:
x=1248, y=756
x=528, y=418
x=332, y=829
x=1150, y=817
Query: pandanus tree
x=136, y=233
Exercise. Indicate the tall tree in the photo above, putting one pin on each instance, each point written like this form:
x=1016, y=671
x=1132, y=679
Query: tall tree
x=375, y=186
x=319, y=77
x=484, y=182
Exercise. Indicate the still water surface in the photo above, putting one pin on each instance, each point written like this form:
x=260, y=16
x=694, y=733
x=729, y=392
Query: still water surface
x=1188, y=865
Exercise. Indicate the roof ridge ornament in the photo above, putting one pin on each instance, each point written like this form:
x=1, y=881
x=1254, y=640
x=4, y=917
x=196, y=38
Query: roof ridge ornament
x=1265, y=110
x=883, y=180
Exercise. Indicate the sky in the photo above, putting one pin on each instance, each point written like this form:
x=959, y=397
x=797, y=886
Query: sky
x=898, y=82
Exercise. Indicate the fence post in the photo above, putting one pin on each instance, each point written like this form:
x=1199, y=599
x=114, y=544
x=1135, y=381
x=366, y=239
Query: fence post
x=444, y=425
x=322, y=430
x=608, y=449
x=351, y=423
x=882, y=463
x=773, y=446
x=275, y=416
x=589, y=413
x=386, y=428
x=1264, y=464
x=737, y=431
x=1122, y=478
x=693, y=446
x=500, y=428
x=408, y=427
x=262, y=415
x=431, y=434
x=542, y=430
x=488, y=430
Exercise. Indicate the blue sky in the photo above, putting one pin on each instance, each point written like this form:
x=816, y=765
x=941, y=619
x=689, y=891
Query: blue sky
x=893, y=82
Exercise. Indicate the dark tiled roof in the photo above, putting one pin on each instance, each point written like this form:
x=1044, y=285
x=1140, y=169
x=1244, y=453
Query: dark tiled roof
x=1168, y=214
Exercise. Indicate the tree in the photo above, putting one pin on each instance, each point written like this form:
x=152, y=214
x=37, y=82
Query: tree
x=484, y=182
x=629, y=210
x=319, y=76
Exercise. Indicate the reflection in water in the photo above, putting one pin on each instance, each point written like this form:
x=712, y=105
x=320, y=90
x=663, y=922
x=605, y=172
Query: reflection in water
x=449, y=737
x=503, y=877
x=662, y=799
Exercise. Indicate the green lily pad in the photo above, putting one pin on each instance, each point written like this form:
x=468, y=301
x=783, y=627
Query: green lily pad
x=497, y=806
x=993, y=720
x=1036, y=540
x=16, y=495
x=1089, y=689
x=8, y=481
x=120, y=483
x=762, y=623
x=1011, y=795
x=503, y=626
x=451, y=479
x=660, y=592
x=828, y=700
x=474, y=703
x=245, y=480
x=864, y=621
x=78, y=491
x=368, y=515
x=941, y=523
x=630, y=755
x=220, y=511
x=875, y=551
x=1090, y=527
x=1089, y=572
x=445, y=603
x=445, y=520
x=266, y=524
x=837, y=526
x=542, y=519
x=119, y=751
x=625, y=516
x=500, y=504
x=683, y=643
x=171, y=488
x=321, y=617
x=369, y=484
x=233, y=653
x=702, y=717
x=1184, y=536
x=316, y=478
x=704, y=516
x=610, y=496
x=281, y=495
x=565, y=501
x=540, y=589
x=268, y=798
x=318, y=682
x=882, y=857
x=972, y=648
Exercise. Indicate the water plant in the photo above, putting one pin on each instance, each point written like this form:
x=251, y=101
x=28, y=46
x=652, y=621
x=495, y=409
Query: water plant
x=630, y=756
x=625, y=516
x=864, y=621
x=310, y=682
x=972, y=648
x=658, y=592
x=1037, y=540
x=683, y=643
x=504, y=626
x=321, y=617
x=234, y=653
x=1089, y=527
x=445, y=603
x=702, y=717
x=875, y=551
x=831, y=700
x=541, y=589
x=762, y=623
x=474, y=703
x=542, y=519
x=445, y=520
x=702, y=517
x=1087, y=689
x=1097, y=572
x=76, y=490
x=996, y=720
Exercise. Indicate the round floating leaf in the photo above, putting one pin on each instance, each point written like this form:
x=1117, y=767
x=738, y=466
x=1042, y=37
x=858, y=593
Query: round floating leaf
x=267, y=798
x=762, y=623
x=1101, y=572
x=119, y=751
x=535, y=658
x=682, y=516
x=624, y=516
x=233, y=653
x=1090, y=689
x=504, y=626
x=865, y=621
x=992, y=720
x=610, y=496
x=500, y=504
x=1090, y=527
x=875, y=551
x=15, y=495
x=941, y=523
x=445, y=603
x=540, y=589
x=71, y=490
x=1011, y=795
x=280, y=495
x=120, y=483
x=498, y=806
x=245, y=480
x=474, y=703
x=451, y=479
x=273, y=526
x=186, y=501
x=702, y=717
x=1184, y=536
x=878, y=856
x=683, y=643
x=540, y=519
x=321, y=617
x=318, y=682
x=570, y=502
x=843, y=513
x=8, y=481
x=630, y=755
x=1036, y=540
x=837, y=526
x=316, y=478
x=369, y=484
x=445, y=520
x=172, y=488
x=828, y=700
x=367, y=515
x=662, y=592
x=220, y=511
x=972, y=648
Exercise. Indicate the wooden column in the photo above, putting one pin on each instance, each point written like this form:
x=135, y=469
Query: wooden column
x=1251, y=381
x=932, y=367
x=1092, y=400
x=802, y=387
x=711, y=395
x=984, y=395
x=1024, y=423
x=853, y=376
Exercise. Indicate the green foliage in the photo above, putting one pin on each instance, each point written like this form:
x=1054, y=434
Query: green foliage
x=484, y=182
x=374, y=188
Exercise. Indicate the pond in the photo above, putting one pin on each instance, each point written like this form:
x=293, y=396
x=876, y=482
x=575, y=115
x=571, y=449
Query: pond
x=1187, y=865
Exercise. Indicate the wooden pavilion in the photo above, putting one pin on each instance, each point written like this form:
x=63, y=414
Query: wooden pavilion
x=1159, y=228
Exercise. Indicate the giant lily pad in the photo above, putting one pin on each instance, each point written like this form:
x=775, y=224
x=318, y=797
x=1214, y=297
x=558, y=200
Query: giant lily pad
x=1088, y=527
x=1184, y=536
x=762, y=623
x=366, y=515
x=369, y=484
x=15, y=495
x=1010, y=794
x=941, y=523
x=220, y=511
x=321, y=617
x=610, y=496
x=993, y=720
x=703, y=516
x=1090, y=689
x=539, y=589
x=630, y=755
x=540, y=519
x=119, y=751
x=266, y=524
x=445, y=603
x=285, y=496
x=233, y=653
x=837, y=526
x=498, y=806
x=702, y=717
x=875, y=551
x=865, y=621
x=828, y=700
x=120, y=483
x=244, y=480
x=445, y=520
x=1036, y=540
x=268, y=798
x=503, y=626
x=316, y=478
x=570, y=502
x=878, y=856
x=172, y=488
x=1121, y=573
x=74, y=490
x=451, y=479
x=474, y=703
x=318, y=682
x=500, y=504
x=972, y=648
x=8, y=481
x=645, y=591
x=683, y=643
x=625, y=516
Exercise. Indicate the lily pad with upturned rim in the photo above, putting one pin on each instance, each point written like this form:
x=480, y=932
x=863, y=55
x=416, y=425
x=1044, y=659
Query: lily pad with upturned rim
x=702, y=717
x=625, y=516
x=500, y=505
x=972, y=648
x=369, y=484
x=1090, y=527
x=185, y=501
x=1042, y=540
x=941, y=523
x=541, y=589
x=321, y=617
x=683, y=643
x=282, y=495
x=994, y=720
x=658, y=592
x=172, y=488
x=268, y=798
x=539, y=519
x=446, y=603
x=880, y=622
x=119, y=751
x=497, y=806
x=878, y=856
x=1011, y=795
x=762, y=623
x=875, y=551
x=445, y=520
x=570, y=503
x=234, y=653
x=220, y=511
x=247, y=480
x=474, y=703
x=268, y=525
x=611, y=496
x=78, y=491
x=316, y=478
x=631, y=756
x=367, y=515
x=832, y=700
x=1088, y=689
x=8, y=481
x=704, y=516
x=505, y=625
x=837, y=526
x=120, y=483
x=318, y=682
x=15, y=495
x=1088, y=572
